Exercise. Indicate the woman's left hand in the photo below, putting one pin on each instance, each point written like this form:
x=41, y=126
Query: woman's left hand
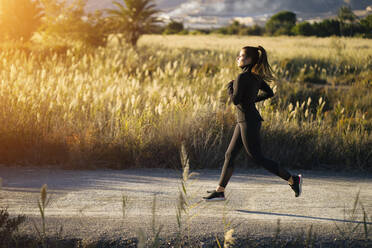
x=230, y=87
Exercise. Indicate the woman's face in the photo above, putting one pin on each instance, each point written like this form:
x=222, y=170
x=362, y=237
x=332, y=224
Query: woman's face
x=242, y=59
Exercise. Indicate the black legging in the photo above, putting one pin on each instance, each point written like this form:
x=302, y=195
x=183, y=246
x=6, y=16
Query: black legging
x=247, y=134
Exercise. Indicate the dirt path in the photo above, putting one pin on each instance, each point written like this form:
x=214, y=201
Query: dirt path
x=89, y=203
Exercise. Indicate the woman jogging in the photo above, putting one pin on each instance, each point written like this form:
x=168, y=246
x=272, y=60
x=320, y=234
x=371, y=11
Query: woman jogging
x=243, y=93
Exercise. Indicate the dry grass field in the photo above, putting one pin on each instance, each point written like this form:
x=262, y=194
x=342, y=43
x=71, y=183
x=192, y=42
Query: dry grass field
x=121, y=107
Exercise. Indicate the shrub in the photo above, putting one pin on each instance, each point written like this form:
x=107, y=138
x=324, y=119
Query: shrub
x=303, y=28
x=281, y=23
x=8, y=226
x=173, y=27
x=327, y=27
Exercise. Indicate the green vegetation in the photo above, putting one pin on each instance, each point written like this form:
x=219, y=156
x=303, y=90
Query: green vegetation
x=281, y=23
x=367, y=25
x=240, y=29
x=134, y=18
x=8, y=227
x=64, y=23
x=174, y=27
x=285, y=23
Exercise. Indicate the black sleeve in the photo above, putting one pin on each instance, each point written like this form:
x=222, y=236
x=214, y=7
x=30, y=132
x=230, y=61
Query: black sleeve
x=236, y=96
x=230, y=88
x=268, y=92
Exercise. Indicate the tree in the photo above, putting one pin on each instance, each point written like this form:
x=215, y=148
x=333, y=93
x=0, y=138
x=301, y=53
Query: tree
x=66, y=23
x=174, y=27
x=327, y=27
x=281, y=23
x=345, y=14
x=346, y=17
x=135, y=18
x=234, y=27
x=366, y=24
x=303, y=28
x=237, y=28
x=19, y=19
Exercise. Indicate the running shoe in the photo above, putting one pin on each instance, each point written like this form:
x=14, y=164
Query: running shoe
x=215, y=196
x=297, y=185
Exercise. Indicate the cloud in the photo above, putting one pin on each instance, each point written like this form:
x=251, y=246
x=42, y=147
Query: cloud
x=223, y=11
x=186, y=9
x=257, y=8
x=245, y=20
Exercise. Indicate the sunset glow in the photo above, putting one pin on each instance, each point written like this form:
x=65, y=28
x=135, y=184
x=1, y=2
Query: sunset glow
x=185, y=123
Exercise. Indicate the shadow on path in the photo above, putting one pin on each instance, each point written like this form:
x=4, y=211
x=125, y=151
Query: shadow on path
x=303, y=216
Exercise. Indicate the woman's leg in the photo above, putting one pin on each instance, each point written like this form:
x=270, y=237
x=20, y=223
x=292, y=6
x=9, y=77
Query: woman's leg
x=230, y=155
x=250, y=135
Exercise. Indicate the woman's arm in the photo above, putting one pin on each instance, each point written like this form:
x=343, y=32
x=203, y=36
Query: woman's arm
x=236, y=96
x=268, y=92
x=230, y=88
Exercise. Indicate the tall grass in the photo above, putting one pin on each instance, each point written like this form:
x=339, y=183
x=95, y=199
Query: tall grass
x=185, y=206
x=156, y=230
x=124, y=204
x=42, y=204
x=228, y=228
x=120, y=107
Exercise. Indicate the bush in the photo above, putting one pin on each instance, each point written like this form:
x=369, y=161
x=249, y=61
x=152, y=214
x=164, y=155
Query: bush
x=184, y=32
x=327, y=27
x=196, y=32
x=366, y=24
x=8, y=226
x=240, y=29
x=173, y=28
x=252, y=30
x=303, y=28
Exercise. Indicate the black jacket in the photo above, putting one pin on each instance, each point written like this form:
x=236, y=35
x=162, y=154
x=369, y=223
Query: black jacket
x=244, y=94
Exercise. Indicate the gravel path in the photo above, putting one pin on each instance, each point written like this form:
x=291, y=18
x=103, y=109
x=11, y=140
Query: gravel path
x=88, y=204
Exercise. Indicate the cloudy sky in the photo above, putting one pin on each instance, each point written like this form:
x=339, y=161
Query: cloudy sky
x=218, y=12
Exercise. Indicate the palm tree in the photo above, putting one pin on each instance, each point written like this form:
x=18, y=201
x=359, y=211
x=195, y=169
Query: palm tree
x=135, y=18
